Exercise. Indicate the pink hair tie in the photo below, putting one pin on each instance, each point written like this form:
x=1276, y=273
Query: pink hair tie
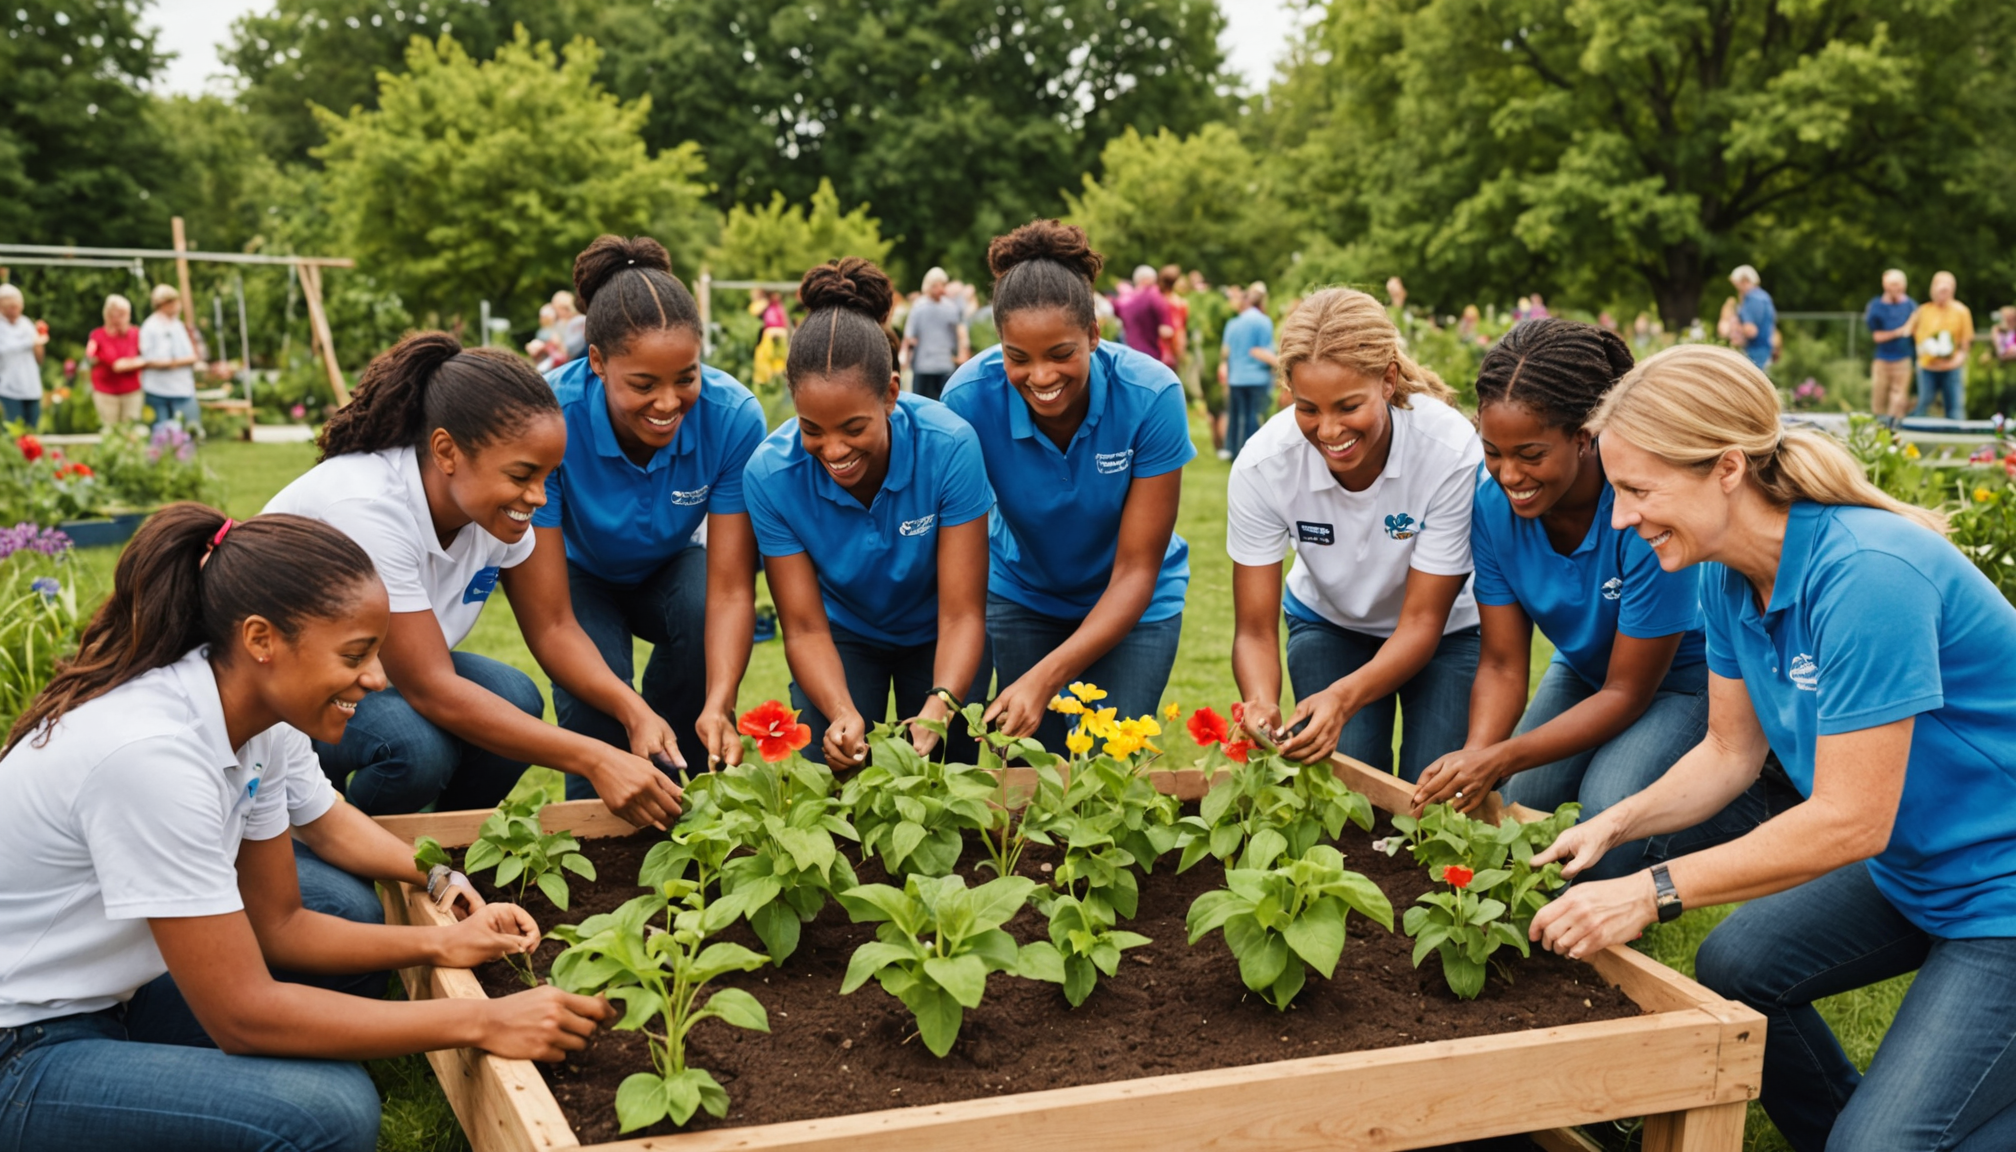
x=216, y=540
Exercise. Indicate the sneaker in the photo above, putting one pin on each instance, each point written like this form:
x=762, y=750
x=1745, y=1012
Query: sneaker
x=1224, y=454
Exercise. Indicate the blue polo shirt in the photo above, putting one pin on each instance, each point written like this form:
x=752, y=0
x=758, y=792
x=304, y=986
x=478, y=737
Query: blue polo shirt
x=1756, y=308
x=1056, y=527
x=621, y=521
x=878, y=566
x=1610, y=583
x=1872, y=619
x=1882, y=316
x=1243, y=333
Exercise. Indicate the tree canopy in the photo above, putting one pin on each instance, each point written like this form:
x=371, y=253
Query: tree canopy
x=1203, y=201
x=780, y=241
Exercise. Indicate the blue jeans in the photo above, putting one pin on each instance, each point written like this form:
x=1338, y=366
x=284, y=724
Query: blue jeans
x=1945, y=1075
x=183, y=408
x=1244, y=405
x=1950, y=381
x=668, y=610
x=29, y=412
x=1133, y=672
x=402, y=762
x=874, y=670
x=1435, y=703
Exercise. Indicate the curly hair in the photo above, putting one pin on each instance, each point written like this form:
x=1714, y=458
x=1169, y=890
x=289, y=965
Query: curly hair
x=1044, y=264
x=1557, y=369
x=626, y=286
x=848, y=301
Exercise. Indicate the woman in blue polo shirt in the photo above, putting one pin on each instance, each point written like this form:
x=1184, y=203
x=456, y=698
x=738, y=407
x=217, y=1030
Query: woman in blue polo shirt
x=1627, y=690
x=648, y=505
x=871, y=511
x=1845, y=635
x=1085, y=444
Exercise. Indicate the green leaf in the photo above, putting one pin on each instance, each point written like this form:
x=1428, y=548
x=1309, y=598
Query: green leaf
x=427, y=852
x=778, y=926
x=871, y=958
x=1040, y=960
x=1317, y=935
x=482, y=855
x=1262, y=954
x=1079, y=979
x=997, y=901
x=737, y=1007
x=579, y=865
x=509, y=870
x=1215, y=804
x=1429, y=940
x=1361, y=893
x=718, y=958
x=641, y=1101
x=682, y=1095
x=555, y=888
x=1263, y=849
x=1212, y=909
x=1465, y=977
x=1287, y=985
x=1225, y=840
x=965, y=977
x=640, y=1006
x=938, y=1016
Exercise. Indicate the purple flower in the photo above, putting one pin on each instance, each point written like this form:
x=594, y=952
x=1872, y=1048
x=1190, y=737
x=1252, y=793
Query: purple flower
x=27, y=537
x=47, y=586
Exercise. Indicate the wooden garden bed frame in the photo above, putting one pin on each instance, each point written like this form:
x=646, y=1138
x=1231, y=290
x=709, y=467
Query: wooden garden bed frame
x=1689, y=1066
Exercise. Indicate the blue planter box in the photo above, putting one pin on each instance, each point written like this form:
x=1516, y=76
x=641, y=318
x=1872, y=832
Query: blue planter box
x=99, y=533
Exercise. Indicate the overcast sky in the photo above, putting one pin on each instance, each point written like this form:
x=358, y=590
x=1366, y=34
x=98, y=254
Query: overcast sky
x=1255, y=35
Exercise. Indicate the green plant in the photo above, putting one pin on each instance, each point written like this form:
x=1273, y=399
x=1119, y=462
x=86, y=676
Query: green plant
x=1304, y=802
x=1278, y=918
x=911, y=810
x=1983, y=527
x=512, y=842
x=937, y=942
x=142, y=469
x=39, y=621
x=1463, y=926
x=428, y=854
x=1083, y=935
x=39, y=486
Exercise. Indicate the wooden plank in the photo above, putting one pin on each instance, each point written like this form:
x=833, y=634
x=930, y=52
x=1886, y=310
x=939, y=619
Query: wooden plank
x=1564, y=1140
x=318, y=325
x=1718, y=1128
x=587, y=819
x=181, y=245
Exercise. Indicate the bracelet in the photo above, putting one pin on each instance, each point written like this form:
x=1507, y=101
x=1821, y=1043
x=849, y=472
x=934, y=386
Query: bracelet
x=946, y=694
x=435, y=876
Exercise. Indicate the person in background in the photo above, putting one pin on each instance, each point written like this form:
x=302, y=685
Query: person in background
x=1174, y=346
x=1944, y=330
x=2002, y=335
x=114, y=352
x=572, y=325
x=1246, y=368
x=1537, y=308
x=22, y=345
x=167, y=374
x=548, y=348
x=935, y=340
x=1643, y=340
x=1470, y=327
x=1888, y=316
x=1144, y=315
x=1756, y=319
x=1396, y=297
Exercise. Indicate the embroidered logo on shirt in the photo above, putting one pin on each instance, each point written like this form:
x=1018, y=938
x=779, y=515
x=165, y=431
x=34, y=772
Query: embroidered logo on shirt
x=251, y=792
x=1111, y=462
x=692, y=496
x=1613, y=588
x=1401, y=526
x=919, y=526
x=1804, y=673
x=1310, y=533
x=481, y=585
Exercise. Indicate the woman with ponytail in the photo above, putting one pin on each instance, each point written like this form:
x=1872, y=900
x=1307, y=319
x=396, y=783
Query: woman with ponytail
x=1367, y=478
x=436, y=469
x=151, y=901
x=1627, y=691
x=1846, y=636
x=871, y=511
x=644, y=525
x=1085, y=444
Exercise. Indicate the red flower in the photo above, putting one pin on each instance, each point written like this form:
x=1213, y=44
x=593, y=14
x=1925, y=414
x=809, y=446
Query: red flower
x=1239, y=712
x=75, y=468
x=1457, y=876
x=1236, y=750
x=30, y=447
x=776, y=729
x=1208, y=728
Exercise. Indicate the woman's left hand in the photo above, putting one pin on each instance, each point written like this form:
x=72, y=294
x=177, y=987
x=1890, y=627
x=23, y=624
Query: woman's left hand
x=1326, y=713
x=1020, y=707
x=499, y=930
x=1596, y=914
x=651, y=737
x=459, y=898
x=922, y=738
x=1463, y=777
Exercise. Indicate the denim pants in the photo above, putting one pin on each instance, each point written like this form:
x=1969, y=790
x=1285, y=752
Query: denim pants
x=1133, y=673
x=874, y=670
x=1952, y=382
x=1434, y=705
x=668, y=610
x=1244, y=405
x=396, y=760
x=929, y=384
x=29, y=412
x=184, y=408
x=1945, y=1075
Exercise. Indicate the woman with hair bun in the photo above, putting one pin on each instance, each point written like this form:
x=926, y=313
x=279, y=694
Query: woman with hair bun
x=1085, y=444
x=436, y=469
x=1848, y=637
x=1627, y=691
x=645, y=527
x=871, y=510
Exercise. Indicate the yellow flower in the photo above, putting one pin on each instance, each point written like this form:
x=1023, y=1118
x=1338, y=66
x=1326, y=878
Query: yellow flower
x=1142, y=726
x=1173, y=712
x=1122, y=743
x=1911, y=451
x=1087, y=692
x=1066, y=705
x=1099, y=723
x=1079, y=743
x=1983, y=495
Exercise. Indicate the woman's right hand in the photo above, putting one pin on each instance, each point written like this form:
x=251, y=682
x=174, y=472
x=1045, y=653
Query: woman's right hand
x=635, y=789
x=1325, y=713
x=1581, y=846
x=1261, y=718
x=719, y=737
x=542, y=1023
x=491, y=932
x=846, y=743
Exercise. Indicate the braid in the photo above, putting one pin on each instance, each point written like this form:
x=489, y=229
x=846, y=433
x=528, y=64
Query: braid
x=1557, y=369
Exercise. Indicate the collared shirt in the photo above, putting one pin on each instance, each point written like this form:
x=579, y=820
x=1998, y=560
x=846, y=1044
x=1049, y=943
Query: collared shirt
x=1756, y=308
x=1610, y=583
x=1353, y=550
x=134, y=808
x=1056, y=526
x=1142, y=315
x=622, y=521
x=1874, y=619
x=376, y=499
x=934, y=324
x=1883, y=316
x=1245, y=332
x=164, y=338
x=878, y=565
x=20, y=374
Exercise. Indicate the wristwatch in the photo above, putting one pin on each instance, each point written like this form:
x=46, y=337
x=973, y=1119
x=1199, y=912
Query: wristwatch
x=1668, y=897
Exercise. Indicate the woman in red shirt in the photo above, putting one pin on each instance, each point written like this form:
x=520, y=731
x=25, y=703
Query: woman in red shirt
x=114, y=352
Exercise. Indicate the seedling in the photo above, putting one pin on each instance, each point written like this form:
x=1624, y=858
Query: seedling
x=1277, y=919
x=428, y=854
x=511, y=842
x=1085, y=942
x=911, y=811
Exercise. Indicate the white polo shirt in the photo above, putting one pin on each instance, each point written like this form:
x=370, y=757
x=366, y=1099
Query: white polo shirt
x=1353, y=549
x=164, y=338
x=133, y=809
x=377, y=500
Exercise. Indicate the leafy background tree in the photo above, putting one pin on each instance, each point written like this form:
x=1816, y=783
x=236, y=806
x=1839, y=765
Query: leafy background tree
x=1204, y=200
x=778, y=241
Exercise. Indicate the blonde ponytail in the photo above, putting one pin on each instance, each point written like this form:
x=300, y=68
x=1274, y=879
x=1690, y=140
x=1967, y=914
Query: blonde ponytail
x=1693, y=402
x=1345, y=327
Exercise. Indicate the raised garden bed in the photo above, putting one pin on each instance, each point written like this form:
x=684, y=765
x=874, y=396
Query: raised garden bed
x=1173, y=1053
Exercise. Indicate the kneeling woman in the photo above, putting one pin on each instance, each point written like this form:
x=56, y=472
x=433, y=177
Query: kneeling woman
x=1085, y=444
x=871, y=510
x=1367, y=478
x=436, y=469
x=1845, y=635
x=1627, y=691
x=150, y=883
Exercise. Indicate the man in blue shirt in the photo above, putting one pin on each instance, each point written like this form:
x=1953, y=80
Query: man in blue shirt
x=1756, y=317
x=1247, y=367
x=1889, y=318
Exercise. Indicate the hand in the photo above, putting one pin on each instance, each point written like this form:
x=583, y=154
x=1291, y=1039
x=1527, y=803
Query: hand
x=1595, y=915
x=651, y=737
x=1462, y=777
x=1580, y=847
x=719, y=737
x=541, y=1023
x=459, y=898
x=635, y=789
x=1020, y=707
x=922, y=738
x=1326, y=712
x=846, y=743
x=1262, y=718
x=497, y=930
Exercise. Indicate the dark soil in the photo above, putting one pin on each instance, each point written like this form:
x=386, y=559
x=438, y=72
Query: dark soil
x=1173, y=1008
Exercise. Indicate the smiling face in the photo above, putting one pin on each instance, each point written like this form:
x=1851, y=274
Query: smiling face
x=651, y=385
x=314, y=680
x=1343, y=413
x=1535, y=463
x=500, y=484
x=1683, y=513
x=844, y=425
x=1048, y=360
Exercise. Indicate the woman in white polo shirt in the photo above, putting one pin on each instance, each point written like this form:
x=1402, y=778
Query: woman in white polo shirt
x=1367, y=478
x=168, y=370
x=436, y=468
x=150, y=883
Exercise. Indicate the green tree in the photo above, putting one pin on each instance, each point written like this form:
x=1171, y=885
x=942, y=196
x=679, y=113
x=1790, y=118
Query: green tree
x=1202, y=201
x=1485, y=146
x=780, y=241
x=480, y=181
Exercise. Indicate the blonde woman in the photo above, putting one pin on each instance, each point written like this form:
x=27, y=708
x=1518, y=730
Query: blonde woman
x=1367, y=478
x=1848, y=637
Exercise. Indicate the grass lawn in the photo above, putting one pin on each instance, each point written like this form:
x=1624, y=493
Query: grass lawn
x=417, y=1118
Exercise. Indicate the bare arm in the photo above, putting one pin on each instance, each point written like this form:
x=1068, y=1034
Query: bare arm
x=1256, y=642
x=962, y=620
x=731, y=628
x=814, y=660
x=357, y=844
x=1423, y=615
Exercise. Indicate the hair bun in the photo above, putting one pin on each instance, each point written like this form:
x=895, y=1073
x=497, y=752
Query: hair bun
x=610, y=254
x=1051, y=240
x=852, y=283
x=423, y=352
